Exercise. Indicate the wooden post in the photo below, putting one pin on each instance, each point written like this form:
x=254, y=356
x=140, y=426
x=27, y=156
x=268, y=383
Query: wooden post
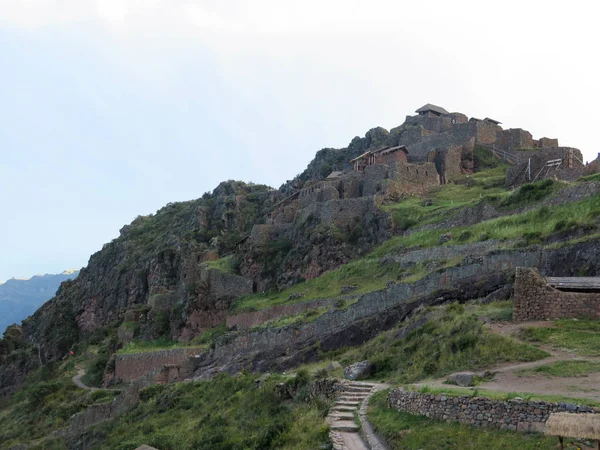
x=598, y=444
x=560, y=439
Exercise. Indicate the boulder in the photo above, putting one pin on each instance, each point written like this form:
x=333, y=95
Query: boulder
x=347, y=289
x=334, y=365
x=462, y=379
x=359, y=370
x=446, y=237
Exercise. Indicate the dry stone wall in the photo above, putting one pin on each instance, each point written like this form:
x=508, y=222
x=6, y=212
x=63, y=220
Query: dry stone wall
x=252, y=319
x=130, y=367
x=535, y=300
x=514, y=415
x=477, y=276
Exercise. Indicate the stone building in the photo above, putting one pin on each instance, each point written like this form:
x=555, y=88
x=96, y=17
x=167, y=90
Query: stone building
x=383, y=155
x=430, y=110
x=562, y=163
x=538, y=298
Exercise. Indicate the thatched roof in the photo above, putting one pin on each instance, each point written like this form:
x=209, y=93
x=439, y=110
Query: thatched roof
x=434, y=108
x=584, y=426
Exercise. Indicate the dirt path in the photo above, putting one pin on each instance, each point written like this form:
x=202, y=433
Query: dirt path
x=77, y=381
x=345, y=433
x=506, y=378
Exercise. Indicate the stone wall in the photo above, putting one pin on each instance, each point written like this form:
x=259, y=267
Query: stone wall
x=514, y=415
x=214, y=291
x=534, y=300
x=444, y=253
x=547, y=142
x=130, y=367
x=279, y=348
x=534, y=166
x=341, y=213
x=105, y=411
x=486, y=132
x=515, y=138
x=252, y=319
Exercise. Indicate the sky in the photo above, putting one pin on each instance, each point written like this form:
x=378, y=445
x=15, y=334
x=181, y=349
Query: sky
x=113, y=108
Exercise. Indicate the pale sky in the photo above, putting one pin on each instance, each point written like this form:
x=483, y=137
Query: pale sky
x=113, y=108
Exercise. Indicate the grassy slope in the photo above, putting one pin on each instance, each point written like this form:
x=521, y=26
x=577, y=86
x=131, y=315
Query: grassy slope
x=529, y=227
x=405, y=431
x=575, y=368
x=453, y=339
x=45, y=403
x=578, y=336
x=225, y=413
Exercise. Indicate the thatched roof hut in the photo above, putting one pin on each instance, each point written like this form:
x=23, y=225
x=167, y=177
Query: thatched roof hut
x=585, y=426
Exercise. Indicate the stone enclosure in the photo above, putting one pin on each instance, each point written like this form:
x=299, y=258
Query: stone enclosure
x=514, y=415
x=535, y=298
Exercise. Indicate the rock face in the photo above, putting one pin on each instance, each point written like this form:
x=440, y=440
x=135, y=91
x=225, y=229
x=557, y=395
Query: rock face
x=359, y=371
x=154, y=274
x=462, y=378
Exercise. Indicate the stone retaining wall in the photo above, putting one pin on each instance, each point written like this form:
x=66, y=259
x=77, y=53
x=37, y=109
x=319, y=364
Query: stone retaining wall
x=131, y=367
x=278, y=348
x=515, y=415
x=535, y=300
x=252, y=319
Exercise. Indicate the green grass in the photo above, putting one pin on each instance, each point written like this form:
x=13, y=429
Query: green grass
x=369, y=274
x=575, y=368
x=228, y=264
x=225, y=413
x=405, y=431
x=44, y=404
x=532, y=226
x=578, y=324
x=454, y=391
x=581, y=342
x=495, y=311
x=155, y=345
x=450, y=341
x=594, y=177
x=448, y=199
x=529, y=193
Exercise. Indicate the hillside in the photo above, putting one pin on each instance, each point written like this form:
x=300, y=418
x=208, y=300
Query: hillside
x=20, y=298
x=388, y=233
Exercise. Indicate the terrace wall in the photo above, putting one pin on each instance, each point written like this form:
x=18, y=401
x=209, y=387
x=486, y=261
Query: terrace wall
x=514, y=415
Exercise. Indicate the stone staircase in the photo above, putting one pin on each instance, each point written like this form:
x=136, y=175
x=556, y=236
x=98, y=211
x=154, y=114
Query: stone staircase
x=344, y=430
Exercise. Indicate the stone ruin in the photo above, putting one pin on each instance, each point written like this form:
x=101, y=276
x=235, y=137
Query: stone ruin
x=540, y=298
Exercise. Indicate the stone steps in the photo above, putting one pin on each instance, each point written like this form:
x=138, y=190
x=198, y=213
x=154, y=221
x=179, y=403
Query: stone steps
x=341, y=415
x=359, y=386
x=351, y=398
x=344, y=432
x=344, y=425
x=343, y=408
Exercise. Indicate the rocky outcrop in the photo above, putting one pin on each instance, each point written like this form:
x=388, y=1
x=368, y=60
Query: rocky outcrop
x=320, y=237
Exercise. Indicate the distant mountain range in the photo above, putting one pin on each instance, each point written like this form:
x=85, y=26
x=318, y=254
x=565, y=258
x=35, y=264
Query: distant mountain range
x=20, y=298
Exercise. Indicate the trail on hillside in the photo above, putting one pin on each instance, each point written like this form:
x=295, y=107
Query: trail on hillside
x=80, y=384
x=507, y=380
